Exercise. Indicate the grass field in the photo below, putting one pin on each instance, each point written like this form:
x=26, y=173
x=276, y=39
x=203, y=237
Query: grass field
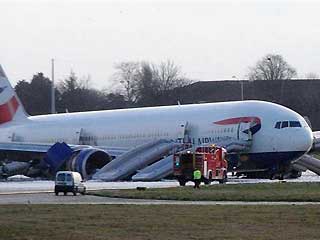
x=51, y=222
x=279, y=191
x=316, y=155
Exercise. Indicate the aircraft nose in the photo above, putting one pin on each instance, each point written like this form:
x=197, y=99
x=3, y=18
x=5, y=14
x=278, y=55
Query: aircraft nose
x=306, y=139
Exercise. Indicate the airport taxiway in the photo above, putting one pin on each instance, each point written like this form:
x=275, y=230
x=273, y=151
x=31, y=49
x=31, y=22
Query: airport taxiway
x=41, y=192
x=48, y=186
x=50, y=198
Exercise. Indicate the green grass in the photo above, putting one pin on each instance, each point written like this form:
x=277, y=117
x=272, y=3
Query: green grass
x=53, y=222
x=316, y=155
x=280, y=191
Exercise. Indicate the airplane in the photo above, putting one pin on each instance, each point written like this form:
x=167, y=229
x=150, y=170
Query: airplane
x=260, y=135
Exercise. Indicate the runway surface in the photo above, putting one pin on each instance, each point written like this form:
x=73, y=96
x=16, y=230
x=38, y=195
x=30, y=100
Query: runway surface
x=50, y=198
x=41, y=192
x=48, y=186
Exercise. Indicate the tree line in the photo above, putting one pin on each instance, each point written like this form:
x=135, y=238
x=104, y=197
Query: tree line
x=136, y=84
x=139, y=84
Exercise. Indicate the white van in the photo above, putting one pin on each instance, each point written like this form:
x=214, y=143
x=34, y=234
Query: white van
x=67, y=181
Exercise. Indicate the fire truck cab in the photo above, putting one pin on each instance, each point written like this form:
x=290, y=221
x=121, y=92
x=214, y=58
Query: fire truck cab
x=210, y=160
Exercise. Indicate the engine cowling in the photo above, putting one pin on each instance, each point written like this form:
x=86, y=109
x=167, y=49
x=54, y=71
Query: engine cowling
x=87, y=161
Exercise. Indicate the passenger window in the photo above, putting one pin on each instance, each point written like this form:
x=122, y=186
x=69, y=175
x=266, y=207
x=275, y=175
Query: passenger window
x=285, y=124
x=277, y=125
x=295, y=124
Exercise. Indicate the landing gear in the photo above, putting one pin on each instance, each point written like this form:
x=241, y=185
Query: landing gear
x=182, y=181
x=224, y=179
x=294, y=174
x=281, y=176
x=208, y=180
x=84, y=191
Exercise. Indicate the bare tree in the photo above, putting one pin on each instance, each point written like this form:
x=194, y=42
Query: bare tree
x=77, y=95
x=148, y=87
x=169, y=76
x=143, y=82
x=272, y=67
x=127, y=75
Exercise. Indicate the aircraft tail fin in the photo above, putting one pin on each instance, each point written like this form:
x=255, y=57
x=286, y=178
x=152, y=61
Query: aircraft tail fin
x=11, y=108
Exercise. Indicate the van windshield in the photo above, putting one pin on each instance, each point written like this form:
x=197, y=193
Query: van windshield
x=61, y=177
x=69, y=178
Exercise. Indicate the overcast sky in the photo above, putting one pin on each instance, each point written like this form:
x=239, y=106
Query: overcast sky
x=210, y=40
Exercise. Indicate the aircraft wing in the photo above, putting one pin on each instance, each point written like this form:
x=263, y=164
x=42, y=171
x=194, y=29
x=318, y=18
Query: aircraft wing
x=43, y=148
x=24, y=147
x=316, y=141
x=308, y=161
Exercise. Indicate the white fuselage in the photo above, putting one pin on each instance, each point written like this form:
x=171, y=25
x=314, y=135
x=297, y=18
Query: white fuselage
x=132, y=127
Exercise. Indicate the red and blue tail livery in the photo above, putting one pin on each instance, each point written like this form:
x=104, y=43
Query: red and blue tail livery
x=10, y=106
x=255, y=123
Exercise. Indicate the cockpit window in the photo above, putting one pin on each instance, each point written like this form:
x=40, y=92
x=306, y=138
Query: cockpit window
x=285, y=124
x=295, y=124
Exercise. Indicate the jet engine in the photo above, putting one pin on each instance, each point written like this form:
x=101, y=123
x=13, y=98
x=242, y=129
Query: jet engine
x=87, y=161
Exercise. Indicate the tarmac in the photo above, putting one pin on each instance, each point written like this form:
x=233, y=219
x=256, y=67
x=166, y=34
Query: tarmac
x=41, y=192
x=50, y=198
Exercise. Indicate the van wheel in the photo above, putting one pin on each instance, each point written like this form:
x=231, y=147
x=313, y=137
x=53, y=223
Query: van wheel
x=65, y=193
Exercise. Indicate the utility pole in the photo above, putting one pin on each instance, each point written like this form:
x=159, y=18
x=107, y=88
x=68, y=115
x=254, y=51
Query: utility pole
x=241, y=90
x=271, y=68
x=241, y=87
x=53, y=98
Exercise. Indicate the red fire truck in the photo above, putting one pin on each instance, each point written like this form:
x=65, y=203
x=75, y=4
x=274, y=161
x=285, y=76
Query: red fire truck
x=210, y=160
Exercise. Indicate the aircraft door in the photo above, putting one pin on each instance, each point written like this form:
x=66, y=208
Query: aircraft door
x=78, y=134
x=244, y=132
x=86, y=138
x=183, y=132
x=10, y=137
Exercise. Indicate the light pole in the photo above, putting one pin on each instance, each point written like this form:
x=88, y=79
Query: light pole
x=53, y=98
x=271, y=68
x=241, y=86
x=241, y=82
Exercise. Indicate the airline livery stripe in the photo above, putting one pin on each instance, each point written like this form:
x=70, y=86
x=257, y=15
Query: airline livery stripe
x=8, y=110
x=239, y=120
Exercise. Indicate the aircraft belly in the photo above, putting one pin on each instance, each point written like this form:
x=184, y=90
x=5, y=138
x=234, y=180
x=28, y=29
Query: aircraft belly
x=264, y=160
